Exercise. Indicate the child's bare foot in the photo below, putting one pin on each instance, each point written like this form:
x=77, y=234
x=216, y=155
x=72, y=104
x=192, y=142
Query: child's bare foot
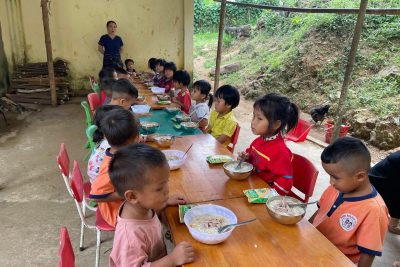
x=396, y=264
x=394, y=226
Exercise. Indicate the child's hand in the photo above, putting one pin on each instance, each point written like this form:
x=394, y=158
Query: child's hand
x=242, y=155
x=175, y=200
x=182, y=253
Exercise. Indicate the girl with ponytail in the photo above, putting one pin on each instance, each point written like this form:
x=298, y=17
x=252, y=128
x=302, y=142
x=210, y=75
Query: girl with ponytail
x=273, y=116
x=204, y=99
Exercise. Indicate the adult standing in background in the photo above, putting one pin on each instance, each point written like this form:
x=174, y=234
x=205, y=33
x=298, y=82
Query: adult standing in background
x=110, y=45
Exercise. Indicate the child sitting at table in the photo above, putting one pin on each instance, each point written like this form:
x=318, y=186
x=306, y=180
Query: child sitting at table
x=181, y=82
x=222, y=122
x=129, y=65
x=123, y=74
x=169, y=71
x=96, y=158
x=159, y=76
x=273, y=116
x=124, y=94
x=106, y=85
x=140, y=175
x=201, y=110
x=120, y=129
x=351, y=214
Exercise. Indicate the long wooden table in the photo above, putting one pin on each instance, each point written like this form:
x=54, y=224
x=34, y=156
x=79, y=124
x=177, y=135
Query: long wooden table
x=262, y=243
x=150, y=98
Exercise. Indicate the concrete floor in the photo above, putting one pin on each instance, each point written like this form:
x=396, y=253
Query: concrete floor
x=35, y=203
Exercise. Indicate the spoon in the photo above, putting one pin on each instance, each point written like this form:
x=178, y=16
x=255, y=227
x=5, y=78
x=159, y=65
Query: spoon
x=301, y=204
x=187, y=151
x=197, y=123
x=226, y=228
x=240, y=162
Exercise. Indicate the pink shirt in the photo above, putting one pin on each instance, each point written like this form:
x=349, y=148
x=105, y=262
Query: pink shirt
x=137, y=242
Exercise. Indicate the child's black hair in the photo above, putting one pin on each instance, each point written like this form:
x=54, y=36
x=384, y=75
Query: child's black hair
x=109, y=22
x=152, y=63
x=205, y=88
x=106, y=83
x=120, y=70
x=350, y=150
x=229, y=94
x=119, y=126
x=182, y=76
x=100, y=113
x=106, y=72
x=160, y=62
x=124, y=86
x=170, y=66
x=127, y=61
x=276, y=107
x=129, y=166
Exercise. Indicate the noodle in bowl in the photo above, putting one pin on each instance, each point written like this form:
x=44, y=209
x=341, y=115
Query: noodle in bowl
x=203, y=222
x=279, y=209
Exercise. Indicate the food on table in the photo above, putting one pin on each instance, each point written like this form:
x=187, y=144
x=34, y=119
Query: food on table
x=216, y=159
x=182, y=117
x=165, y=140
x=183, y=209
x=243, y=168
x=140, y=98
x=172, y=108
x=281, y=207
x=259, y=195
x=189, y=124
x=163, y=97
x=208, y=223
x=164, y=102
x=149, y=124
x=172, y=157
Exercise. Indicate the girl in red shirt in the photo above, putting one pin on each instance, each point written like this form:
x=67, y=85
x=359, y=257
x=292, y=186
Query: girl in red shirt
x=181, y=82
x=273, y=116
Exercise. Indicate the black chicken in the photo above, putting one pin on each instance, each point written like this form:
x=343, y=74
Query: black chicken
x=318, y=113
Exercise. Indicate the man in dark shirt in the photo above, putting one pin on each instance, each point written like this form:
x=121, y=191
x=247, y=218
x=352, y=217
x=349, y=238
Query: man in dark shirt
x=385, y=177
x=110, y=45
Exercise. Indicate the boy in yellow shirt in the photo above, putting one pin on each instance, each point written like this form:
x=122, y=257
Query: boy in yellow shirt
x=222, y=121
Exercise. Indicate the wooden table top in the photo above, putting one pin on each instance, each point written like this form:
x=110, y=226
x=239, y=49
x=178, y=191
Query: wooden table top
x=261, y=243
x=200, y=181
x=150, y=98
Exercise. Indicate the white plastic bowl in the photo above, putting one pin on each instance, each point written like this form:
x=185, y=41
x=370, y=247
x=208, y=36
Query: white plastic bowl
x=140, y=109
x=157, y=90
x=175, y=164
x=209, y=209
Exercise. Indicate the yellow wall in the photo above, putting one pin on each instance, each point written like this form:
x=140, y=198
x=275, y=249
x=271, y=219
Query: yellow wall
x=149, y=28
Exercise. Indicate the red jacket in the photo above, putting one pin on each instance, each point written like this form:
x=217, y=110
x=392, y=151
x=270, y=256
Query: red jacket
x=272, y=161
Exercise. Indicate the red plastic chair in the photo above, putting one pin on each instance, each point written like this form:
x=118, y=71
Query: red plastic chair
x=94, y=101
x=304, y=177
x=300, y=132
x=100, y=224
x=234, y=139
x=63, y=164
x=65, y=252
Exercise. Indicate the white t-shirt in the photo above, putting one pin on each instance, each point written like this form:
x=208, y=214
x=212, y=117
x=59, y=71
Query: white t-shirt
x=197, y=111
x=95, y=160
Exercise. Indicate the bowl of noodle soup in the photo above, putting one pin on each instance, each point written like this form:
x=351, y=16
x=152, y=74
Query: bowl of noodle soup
x=280, y=211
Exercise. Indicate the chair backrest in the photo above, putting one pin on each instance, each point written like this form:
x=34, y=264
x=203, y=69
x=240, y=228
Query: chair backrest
x=88, y=114
x=63, y=160
x=66, y=256
x=300, y=131
x=234, y=139
x=63, y=164
x=304, y=177
x=94, y=101
x=77, y=182
x=89, y=134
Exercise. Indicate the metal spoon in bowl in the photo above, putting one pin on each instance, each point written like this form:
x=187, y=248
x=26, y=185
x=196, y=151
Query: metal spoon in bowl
x=197, y=123
x=226, y=228
x=240, y=162
x=301, y=204
x=187, y=151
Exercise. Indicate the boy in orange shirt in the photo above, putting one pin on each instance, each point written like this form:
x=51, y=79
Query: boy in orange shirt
x=352, y=215
x=120, y=129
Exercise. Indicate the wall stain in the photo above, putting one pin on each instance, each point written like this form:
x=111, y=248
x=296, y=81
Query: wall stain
x=176, y=20
x=75, y=54
x=152, y=32
x=77, y=6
